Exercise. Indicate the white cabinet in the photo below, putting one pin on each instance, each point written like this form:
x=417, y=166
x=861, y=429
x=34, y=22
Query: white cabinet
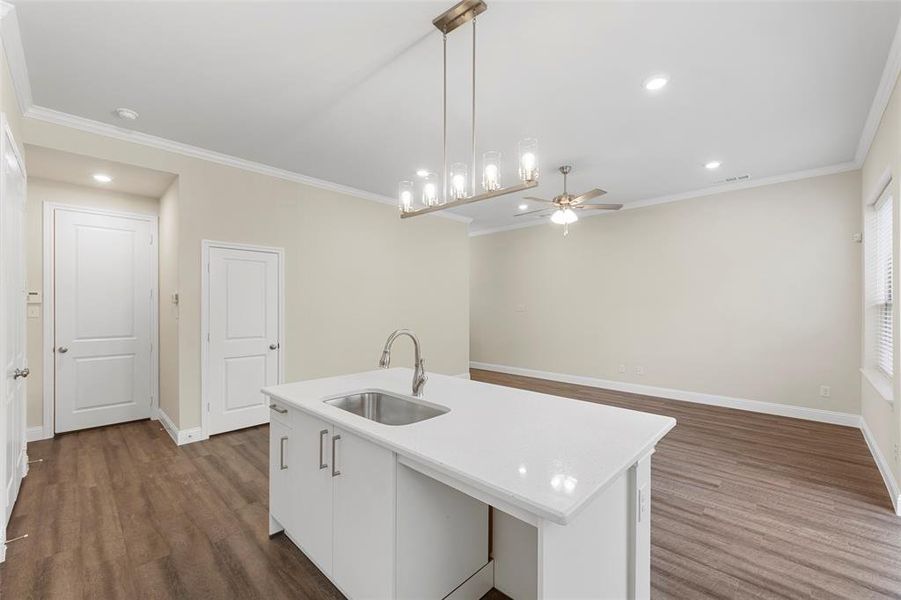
x=333, y=493
x=312, y=489
x=363, y=521
x=342, y=500
x=281, y=497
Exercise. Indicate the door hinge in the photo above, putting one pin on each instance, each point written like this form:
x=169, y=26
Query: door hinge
x=208, y=407
x=151, y=239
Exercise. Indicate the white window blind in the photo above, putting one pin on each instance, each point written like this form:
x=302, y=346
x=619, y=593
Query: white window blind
x=880, y=275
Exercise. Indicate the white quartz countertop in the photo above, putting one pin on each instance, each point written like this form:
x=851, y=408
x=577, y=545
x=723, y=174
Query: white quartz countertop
x=544, y=454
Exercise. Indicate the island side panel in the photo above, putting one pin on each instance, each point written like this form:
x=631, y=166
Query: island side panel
x=640, y=483
x=593, y=555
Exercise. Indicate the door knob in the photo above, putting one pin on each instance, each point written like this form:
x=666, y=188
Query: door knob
x=23, y=373
x=62, y=349
x=273, y=346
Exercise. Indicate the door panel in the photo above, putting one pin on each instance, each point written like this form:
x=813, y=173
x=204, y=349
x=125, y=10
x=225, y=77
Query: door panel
x=12, y=325
x=104, y=303
x=243, y=336
x=282, y=504
x=363, y=558
x=311, y=524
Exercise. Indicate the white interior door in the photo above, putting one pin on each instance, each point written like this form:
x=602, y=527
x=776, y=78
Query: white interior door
x=243, y=352
x=104, y=314
x=12, y=324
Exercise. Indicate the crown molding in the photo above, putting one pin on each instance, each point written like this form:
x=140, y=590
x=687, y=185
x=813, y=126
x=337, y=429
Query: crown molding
x=890, y=74
x=15, y=55
x=709, y=191
x=48, y=115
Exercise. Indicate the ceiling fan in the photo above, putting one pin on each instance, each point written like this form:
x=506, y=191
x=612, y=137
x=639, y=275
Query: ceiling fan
x=563, y=212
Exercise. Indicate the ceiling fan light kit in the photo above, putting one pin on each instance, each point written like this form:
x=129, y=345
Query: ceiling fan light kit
x=458, y=184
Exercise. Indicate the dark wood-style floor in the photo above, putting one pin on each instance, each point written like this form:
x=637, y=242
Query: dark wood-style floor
x=744, y=506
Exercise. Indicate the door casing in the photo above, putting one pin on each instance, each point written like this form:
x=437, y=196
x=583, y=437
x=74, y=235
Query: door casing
x=22, y=459
x=49, y=309
x=206, y=245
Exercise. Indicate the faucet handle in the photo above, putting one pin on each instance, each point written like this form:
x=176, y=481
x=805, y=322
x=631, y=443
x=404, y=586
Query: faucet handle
x=385, y=361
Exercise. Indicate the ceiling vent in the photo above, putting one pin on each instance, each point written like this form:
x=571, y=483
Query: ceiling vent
x=735, y=179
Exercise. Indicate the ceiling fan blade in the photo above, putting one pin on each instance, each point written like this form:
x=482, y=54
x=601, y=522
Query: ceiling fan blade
x=588, y=196
x=601, y=206
x=534, y=199
x=531, y=212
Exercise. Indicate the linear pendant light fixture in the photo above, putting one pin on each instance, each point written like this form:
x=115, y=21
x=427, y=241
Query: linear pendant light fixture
x=458, y=184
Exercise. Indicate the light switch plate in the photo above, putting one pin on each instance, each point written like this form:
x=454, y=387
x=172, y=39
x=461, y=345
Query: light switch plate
x=34, y=311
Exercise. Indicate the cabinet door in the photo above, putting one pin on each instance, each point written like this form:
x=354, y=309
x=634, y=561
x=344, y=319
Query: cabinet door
x=280, y=500
x=364, y=492
x=311, y=527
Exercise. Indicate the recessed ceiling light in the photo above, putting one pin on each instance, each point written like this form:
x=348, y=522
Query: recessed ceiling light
x=422, y=173
x=101, y=178
x=523, y=206
x=126, y=113
x=713, y=164
x=655, y=82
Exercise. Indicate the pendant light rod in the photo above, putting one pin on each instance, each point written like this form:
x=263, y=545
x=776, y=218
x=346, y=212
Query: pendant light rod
x=444, y=125
x=472, y=169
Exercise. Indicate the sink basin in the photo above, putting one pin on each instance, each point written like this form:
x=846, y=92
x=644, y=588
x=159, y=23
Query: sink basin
x=386, y=408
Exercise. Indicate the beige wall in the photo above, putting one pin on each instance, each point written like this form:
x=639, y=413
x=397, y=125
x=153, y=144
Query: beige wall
x=41, y=191
x=168, y=264
x=354, y=270
x=750, y=294
x=885, y=154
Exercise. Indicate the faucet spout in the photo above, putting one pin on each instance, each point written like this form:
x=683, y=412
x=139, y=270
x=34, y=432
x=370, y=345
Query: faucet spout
x=419, y=376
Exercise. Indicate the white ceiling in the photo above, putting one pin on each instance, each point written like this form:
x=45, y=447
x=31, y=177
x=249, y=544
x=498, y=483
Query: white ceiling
x=78, y=169
x=351, y=92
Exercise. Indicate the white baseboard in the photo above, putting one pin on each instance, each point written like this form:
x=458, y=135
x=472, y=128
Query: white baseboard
x=883, y=465
x=770, y=408
x=35, y=434
x=463, y=375
x=179, y=436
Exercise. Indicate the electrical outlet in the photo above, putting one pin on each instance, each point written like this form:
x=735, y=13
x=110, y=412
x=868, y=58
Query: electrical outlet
x=520, y=308
x=825, y=391
x=639, y=370
x=621, y=369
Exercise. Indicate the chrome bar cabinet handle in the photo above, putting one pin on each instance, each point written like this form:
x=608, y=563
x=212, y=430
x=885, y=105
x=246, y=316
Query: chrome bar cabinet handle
x=335, y=471
x=281, y=450
x=322, y=435
x=277, y=409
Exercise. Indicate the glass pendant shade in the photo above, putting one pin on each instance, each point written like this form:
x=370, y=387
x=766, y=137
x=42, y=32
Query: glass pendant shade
x=429, y=190
x=491, y=171
x=458, y=177
x=405, y=196
x=564, y=216
x=528, y=159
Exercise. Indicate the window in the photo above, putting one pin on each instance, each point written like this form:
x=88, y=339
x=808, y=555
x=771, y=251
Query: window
x=879, y=275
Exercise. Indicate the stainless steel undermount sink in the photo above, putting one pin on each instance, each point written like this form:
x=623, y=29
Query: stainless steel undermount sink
x=386, y=408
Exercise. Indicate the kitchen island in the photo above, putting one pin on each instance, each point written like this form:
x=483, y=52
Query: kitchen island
x=402, y=511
